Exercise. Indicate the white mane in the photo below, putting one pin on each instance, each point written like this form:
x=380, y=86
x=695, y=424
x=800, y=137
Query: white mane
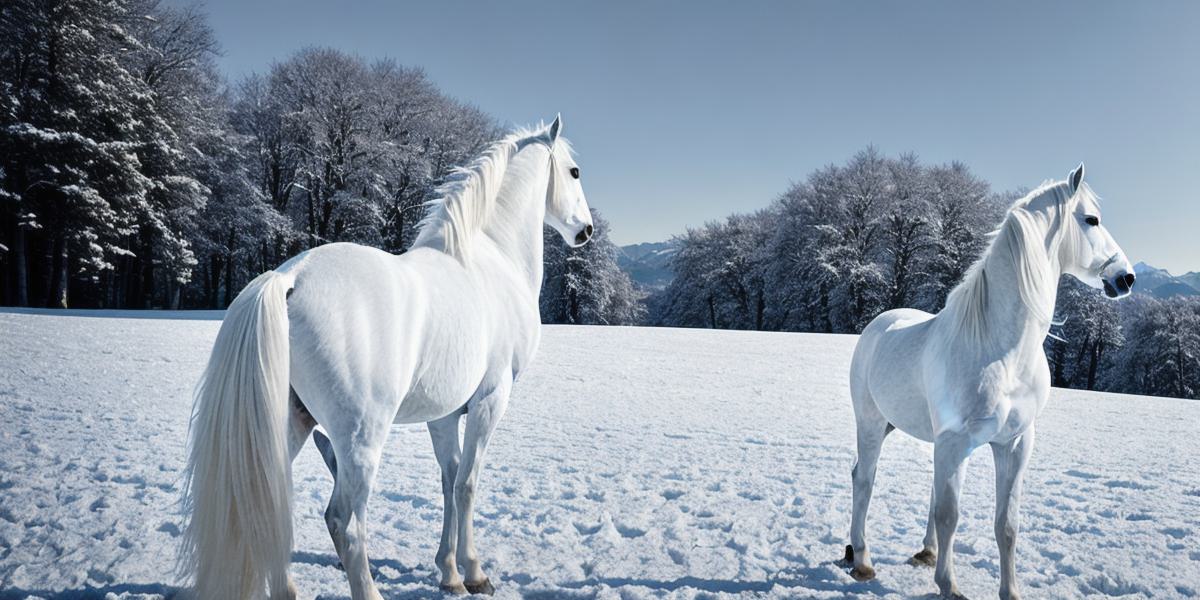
x=464, y=203
x=1019, y=241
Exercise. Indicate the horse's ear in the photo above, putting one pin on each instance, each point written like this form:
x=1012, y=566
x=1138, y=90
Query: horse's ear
x=555, y=128
x=1076, y=177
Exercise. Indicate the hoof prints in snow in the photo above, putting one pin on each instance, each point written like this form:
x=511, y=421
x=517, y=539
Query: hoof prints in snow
x=638, y=488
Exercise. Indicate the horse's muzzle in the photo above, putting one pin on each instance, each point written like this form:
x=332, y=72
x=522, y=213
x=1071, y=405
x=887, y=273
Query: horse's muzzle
x=1120, y=285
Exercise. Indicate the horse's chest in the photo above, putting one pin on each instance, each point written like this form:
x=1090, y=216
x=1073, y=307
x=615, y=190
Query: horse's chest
x=1024, y=399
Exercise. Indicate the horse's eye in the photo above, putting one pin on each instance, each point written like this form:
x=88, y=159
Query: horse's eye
x=1093, y=221
x=575, y=172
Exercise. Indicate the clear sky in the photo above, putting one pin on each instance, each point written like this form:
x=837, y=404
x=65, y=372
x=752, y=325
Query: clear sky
x=683, y=112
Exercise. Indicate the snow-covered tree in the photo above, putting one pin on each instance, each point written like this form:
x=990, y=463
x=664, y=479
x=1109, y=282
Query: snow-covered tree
x=130, y=172
x=835, y=249
x=721, y=275
x=96, y=126
x=349, y=150
x=963, y=212
x=1161, y=354
x=68, y=181
x=906, y=232
x=1082, y=348
x=584, y=285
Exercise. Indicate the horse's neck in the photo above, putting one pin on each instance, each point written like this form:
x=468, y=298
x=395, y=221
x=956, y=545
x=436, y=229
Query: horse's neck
x=516, y=227
x=1011, y=322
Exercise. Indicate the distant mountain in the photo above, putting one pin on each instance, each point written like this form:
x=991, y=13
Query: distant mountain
x=1191, y=278
x=1160, y=283
x=648, y=263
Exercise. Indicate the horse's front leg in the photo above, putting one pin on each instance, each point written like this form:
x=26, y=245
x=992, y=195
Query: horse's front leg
x=950, y=452
x=483, y=415
x=444, y=433
x=1011, y=459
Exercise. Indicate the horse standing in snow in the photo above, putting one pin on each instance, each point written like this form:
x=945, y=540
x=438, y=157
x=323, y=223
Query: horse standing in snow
x=364, y=339
x=976, y=373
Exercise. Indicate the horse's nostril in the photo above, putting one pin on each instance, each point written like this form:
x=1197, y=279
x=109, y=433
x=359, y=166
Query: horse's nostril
x=1125, y=282
x=588, y=229
x=1109, y=290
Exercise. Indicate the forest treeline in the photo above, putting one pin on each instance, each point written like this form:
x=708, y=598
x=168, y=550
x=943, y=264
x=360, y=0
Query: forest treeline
x=876, y=233
x=132, y=175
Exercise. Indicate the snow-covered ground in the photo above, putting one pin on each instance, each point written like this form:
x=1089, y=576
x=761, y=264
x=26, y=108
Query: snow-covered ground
x=633, y=463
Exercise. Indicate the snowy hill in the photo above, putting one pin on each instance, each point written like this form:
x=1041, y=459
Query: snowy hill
x=648, y=263
x=633, y=463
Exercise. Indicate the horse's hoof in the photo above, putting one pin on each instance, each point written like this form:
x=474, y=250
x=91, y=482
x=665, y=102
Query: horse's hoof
x=483, y=587
x=862, y=573
x=456, y=589
x=925, y=557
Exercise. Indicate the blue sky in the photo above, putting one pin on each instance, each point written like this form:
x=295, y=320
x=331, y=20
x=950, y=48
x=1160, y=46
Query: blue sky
x=683, y=112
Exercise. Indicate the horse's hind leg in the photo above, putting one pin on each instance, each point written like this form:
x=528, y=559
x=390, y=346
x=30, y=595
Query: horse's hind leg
x=928, y=554
x=872, y=428
x=346, y=517
x=444, y=433
x=300, y=424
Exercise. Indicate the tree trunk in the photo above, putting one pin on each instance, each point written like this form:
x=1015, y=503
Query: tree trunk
x=147, y=300
x=760, y=311
x=825, y=316
x=56, y=288
x=573, y=306
x=214, y=281
x=312, y=217
x=1093, y=363
x=20, y=267
x=1059, y=380
x=228, y=280
x=1179, y=370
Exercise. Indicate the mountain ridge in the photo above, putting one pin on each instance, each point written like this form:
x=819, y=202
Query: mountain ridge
x=648, y=264
x=1160, y=283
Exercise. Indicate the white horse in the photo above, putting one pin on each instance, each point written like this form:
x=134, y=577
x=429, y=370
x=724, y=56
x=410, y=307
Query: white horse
x=976, y=373
x=365, y=339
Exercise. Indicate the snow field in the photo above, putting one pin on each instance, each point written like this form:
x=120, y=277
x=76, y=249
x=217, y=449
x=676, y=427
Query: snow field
x=633, y=463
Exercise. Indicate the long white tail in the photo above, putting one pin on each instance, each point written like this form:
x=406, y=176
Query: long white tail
x=238, y=485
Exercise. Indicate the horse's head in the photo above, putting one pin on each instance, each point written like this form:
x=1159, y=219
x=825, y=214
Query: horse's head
x=1089, y=251
x=566, y=207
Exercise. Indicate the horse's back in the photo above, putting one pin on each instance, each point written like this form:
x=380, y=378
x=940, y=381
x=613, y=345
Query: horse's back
x=887, y=369
x=362, y=332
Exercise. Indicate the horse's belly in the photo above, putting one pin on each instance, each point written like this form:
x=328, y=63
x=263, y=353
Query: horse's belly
x=428, y=402
x=422, y=407
x=908, y=412
x=440, y=391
